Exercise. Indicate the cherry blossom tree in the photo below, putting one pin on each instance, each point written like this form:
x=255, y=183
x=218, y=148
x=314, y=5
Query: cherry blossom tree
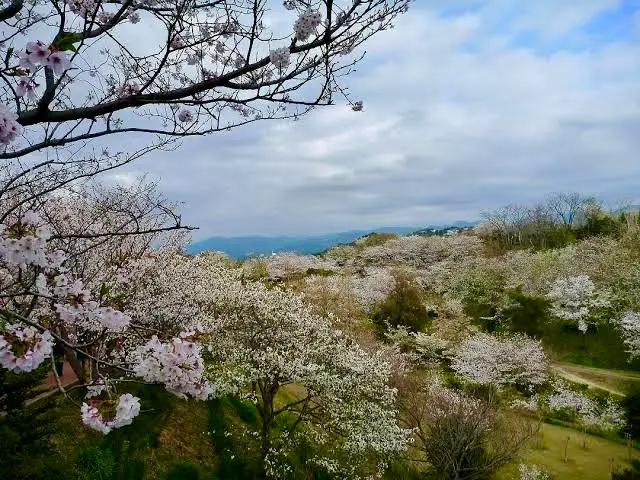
x=629, y=324
x=487, y=359
x=77, y=70
x=576, y=299
x=70, y=291
x=586, y=411
x=420, y=251
x=287, y=264
x=266, y=341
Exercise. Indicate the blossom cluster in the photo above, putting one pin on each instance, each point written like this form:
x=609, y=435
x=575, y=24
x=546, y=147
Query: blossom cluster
x=9, y=126
x=37, y=53
x=280, y=57
x=307, y=24
x=78, y=309
x=127, y=408
x=33, y=274
x=24, y=243
x=177, y=364
x=529, y=405
x=24, y=348
x=84, y=8
x=185, y=116
x=588, y=412
x=373, y=286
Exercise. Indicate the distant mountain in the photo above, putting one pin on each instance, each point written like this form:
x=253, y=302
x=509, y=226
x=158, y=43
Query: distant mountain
x=253, y=245
x=443, y=230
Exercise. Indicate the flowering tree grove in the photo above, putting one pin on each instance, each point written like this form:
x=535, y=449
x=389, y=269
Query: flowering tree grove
x=75, y=269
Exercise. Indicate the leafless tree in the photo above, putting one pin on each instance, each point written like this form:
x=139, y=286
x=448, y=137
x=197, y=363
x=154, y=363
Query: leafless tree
x=569, y=208
x=459, y=437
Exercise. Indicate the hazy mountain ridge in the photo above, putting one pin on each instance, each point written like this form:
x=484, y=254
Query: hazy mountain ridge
x=251, y=245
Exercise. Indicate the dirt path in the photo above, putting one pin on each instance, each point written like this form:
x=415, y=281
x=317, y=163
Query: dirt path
x=582, y=374
x=635, y=377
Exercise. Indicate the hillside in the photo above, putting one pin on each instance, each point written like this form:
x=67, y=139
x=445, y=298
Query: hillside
x=511, y=351
x=252, y=245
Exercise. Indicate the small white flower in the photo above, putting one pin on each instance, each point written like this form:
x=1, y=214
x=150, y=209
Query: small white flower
x=280, y=57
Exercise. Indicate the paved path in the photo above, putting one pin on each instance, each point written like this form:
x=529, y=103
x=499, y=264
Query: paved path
x=50, y=386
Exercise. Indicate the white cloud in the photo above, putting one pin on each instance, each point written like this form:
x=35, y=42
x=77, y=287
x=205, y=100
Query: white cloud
x=458, y=117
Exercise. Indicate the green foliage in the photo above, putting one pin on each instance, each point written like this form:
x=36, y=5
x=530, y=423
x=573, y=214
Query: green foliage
x=481, y=291
x=631, y=473
x=132, y=443
x=17, y=388
x=184, y=471
x=405, y=471
x=631, y=405
x=600, y=225
x=64, y=41
x=246, y=410
x=235, y=463
x=24, y=431
x=96, y=463
x=321, y=272
x=374, y=239
x=403, y=306
x=599, y=347
x=525, y=313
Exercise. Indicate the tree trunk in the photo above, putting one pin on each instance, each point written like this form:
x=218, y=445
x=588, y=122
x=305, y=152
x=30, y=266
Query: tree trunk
x=265, y=410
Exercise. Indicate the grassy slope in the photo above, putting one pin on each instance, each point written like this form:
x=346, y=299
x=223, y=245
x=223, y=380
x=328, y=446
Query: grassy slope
x=168, y=431
x=592, y=463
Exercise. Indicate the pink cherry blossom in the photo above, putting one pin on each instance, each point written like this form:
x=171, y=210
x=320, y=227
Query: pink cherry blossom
x=26, y=86
x=58, y=62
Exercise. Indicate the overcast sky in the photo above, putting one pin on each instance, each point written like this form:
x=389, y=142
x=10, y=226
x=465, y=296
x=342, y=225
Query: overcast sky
x=469, y=105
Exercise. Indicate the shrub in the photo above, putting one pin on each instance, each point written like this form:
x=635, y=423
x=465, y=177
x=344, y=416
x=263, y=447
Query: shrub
x=403, y=306
x=24, y=431
x=246, y=410
x=374, y=239
x=526, y=314
x=184, y=471
x=632, y=473
x=631, y=405
x=321, y=272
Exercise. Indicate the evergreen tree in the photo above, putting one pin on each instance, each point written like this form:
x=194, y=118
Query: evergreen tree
x=24, y=430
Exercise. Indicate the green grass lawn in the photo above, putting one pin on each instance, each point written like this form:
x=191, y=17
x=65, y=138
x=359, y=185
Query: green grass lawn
x=593, y=463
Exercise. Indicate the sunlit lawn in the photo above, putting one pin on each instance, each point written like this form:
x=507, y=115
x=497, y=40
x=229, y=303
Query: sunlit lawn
x=593, y=463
